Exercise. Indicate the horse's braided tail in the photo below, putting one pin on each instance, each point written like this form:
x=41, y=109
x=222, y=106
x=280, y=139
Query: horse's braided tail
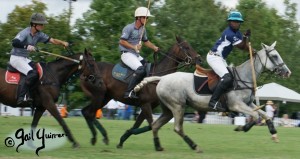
x=145, y=81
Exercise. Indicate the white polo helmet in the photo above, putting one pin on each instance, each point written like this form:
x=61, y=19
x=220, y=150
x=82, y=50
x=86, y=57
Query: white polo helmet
x=142, y=12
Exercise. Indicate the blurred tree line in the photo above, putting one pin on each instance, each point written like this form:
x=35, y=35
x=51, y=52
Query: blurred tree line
x=198, y=22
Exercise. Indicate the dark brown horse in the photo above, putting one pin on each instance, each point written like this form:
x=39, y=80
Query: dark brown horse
x=180, y=52
x=46, y=92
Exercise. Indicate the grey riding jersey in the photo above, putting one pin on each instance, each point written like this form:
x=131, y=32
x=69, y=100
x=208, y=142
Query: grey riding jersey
x=132, y=35
x=26, y=38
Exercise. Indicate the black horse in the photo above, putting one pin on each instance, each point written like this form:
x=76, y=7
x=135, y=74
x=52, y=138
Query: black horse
x=46, y=92
x=180, y=52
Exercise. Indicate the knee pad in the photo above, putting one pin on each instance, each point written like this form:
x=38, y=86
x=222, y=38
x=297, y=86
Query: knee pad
x=226, y=80
x=32, y=65
x=32, y=77
x=141, y=71
x=143, y=62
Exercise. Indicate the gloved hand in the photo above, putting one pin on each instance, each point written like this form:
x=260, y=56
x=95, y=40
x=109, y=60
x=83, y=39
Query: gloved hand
x=248, y=33
x=137, y=48
x=156, y=49
x=30, y=48
x=65, y=44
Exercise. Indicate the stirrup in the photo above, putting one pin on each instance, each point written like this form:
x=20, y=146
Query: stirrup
x=24, y=101
x=217, y=106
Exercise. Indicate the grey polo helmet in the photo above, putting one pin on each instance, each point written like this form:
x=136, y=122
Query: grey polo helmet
x=38, y=18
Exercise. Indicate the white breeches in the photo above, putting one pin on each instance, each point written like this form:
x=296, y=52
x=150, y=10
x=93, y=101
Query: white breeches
x=20, y=63
x=218, y=64
x=131, y=60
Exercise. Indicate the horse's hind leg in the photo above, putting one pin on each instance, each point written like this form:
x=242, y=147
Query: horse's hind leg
x=178, y=113
x=139, y=120
x=243, y=108
x=51, y=107
x=162, y=120
x=145, y=114
x=36, y=118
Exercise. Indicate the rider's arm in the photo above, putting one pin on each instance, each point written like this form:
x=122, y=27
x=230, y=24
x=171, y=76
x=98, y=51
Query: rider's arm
x=243, y=45
x=151, y=45
x=58, y=42
x=18, y=44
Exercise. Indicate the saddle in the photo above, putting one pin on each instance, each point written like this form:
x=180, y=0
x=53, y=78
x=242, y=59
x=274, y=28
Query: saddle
x=211, y=78
x=13, y=76
x=205, y=82
x=124, y=73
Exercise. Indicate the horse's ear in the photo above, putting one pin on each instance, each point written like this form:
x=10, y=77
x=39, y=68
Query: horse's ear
x=85, y=50
x=179, y=39
x=274, y=44
x=264, y=45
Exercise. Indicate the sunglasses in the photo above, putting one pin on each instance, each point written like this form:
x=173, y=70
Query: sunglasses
x=145, y=17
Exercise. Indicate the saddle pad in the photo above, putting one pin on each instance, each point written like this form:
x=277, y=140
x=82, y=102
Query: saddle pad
x=14, y=77
x=201, y=85
x=121, y=73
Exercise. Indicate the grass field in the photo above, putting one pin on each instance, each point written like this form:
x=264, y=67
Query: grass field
x=217, y=142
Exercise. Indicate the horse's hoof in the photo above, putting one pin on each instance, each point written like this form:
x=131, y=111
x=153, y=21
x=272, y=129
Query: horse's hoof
x=93, y=141
x=239, y=128
x=119, y=146
x=198, y=150
x=106, y=141
x=159, y=149
x=75, y=145
x=275, y=139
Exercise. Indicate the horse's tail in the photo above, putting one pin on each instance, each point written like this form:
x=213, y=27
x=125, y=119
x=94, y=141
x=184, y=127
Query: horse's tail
x=145, y=81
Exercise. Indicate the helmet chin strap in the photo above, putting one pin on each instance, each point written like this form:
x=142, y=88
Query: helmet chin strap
x=35, y=27
x=141, y=21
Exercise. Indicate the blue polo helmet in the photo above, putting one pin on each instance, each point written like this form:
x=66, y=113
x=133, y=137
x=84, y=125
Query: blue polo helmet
x=235, y=16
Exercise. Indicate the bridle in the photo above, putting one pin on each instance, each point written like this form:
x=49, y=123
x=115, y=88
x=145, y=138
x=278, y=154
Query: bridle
x=187, y=59
x=276, y=68
x=88, y=66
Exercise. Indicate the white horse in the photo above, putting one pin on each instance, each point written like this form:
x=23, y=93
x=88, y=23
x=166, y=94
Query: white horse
x=176, y=90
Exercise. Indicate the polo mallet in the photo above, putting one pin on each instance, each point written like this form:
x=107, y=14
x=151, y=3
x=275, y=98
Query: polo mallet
x=64, y=57
x=258, y=107
x=252, y=67
x=143, y=29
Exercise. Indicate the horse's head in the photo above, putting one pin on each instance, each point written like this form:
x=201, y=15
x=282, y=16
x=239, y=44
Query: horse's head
x=89, y=69
x=274, y=61
x=186, y=53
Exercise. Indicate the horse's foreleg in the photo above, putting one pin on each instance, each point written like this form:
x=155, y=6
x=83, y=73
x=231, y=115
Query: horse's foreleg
x=178, y=128
x=89, y=118
x=102, y=131
x=270, y=124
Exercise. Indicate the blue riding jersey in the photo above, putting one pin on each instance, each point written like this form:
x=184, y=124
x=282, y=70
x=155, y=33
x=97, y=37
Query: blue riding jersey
x=224, y=45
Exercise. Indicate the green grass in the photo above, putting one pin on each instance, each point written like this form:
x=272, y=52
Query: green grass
x=217, y=142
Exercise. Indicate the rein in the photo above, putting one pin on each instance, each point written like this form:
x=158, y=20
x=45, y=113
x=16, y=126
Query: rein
x=186, y=62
